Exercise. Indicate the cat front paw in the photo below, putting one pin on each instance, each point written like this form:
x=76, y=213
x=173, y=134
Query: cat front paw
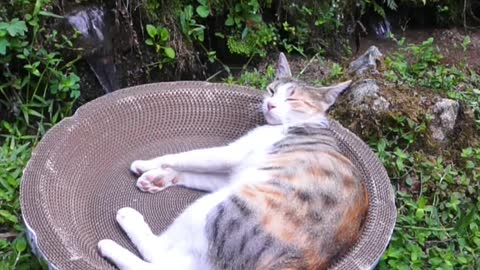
x=139, y=167
x=158, y=179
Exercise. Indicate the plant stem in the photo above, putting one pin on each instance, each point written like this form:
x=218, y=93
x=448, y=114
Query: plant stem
x=425, y=228
x=308, y=64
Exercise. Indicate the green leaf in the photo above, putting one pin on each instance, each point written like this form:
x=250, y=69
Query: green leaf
x=203, y=11
x=149, y=42
x=188, y=11
x=462, y=260
x=75, y=94
x=229, y=21
x=151, y=30
x=3, y=46
x=20, y=244
x=35, y=113
x=244, y=32
x=37, y=8
x=476, y=240
x=16, y=27
x=203, y=2
x=8, y=216
x=470, y=164
x=164, y=35
x=169, y=52
x=212, y=55
x=50, y=14
x=420, y=213
x=467, y=152
x=201, y=36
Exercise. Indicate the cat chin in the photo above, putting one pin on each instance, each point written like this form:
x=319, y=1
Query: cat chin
x=271, y=120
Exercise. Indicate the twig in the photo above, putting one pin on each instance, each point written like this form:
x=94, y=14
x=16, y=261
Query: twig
x=7, y=235
x=278, y=11
x=364, y=29
x=214, y=75
x=248, y=62
x=433, y=242
x=473, y=14
x=426, y=229
x=308, y=64
x=405, y=25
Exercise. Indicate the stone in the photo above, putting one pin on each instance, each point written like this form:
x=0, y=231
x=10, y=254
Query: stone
x=381, y=105
x=362, y=90
x=461, y=87
x=366, y=62
x=445, y=113
x=367, y=90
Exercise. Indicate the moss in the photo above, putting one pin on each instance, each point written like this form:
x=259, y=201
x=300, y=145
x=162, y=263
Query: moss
x=415, y=105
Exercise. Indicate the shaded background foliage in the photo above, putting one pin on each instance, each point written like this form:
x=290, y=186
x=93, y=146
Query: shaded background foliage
x=48, y=68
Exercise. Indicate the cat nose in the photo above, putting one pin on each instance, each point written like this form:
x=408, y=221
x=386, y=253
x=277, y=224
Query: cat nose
x=270, y=106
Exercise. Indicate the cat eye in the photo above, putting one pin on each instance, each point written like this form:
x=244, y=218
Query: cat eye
x=292, y=92
x=270, y=91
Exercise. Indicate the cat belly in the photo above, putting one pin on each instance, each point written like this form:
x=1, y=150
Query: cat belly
x=187, y=233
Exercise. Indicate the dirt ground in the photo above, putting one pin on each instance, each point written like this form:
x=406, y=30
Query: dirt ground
x=448, y=41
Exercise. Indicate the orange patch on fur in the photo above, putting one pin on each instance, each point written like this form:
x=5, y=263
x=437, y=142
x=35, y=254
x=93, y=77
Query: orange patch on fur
x=270, y=203
x=302, y=102
x=340, y=158
x=351, y=223
x=314, y=260
x=270, y=192
x=349, y=182
x=248, y=193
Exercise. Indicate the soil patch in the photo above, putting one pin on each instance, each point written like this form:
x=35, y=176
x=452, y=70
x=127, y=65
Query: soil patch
x=448, y=41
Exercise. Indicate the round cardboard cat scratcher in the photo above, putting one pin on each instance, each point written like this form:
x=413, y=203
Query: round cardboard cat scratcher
x=78, y=175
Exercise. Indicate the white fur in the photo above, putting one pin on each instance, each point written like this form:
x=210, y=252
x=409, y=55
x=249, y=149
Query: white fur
x=282, y=108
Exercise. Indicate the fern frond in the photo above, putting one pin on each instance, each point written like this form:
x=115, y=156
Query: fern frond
x=391, y=4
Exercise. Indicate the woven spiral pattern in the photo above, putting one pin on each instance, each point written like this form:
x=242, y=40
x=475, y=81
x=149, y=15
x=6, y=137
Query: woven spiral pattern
x=78, y=175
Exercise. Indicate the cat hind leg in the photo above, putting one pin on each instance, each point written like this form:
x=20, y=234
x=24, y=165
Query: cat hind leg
x=157, y=255
x=121, y=257
x=142, y=237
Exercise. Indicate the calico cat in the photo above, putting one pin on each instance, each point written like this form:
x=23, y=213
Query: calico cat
x=283, y=196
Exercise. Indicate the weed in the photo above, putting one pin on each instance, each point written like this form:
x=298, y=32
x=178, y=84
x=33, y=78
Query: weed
x=466, y=43
x=254, y=78
x=14, y=154
x=437, y=196
x=37, y=89
x=253, y=42
x=202, y=9
x=158, y=38
x=194, y=31
x=189, y=26
x=249, y=34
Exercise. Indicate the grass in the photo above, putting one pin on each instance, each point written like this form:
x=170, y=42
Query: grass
x=436, y=186
x=14, y=252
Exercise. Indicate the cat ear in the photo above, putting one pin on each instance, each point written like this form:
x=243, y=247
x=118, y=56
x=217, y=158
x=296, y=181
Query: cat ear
x=331, y=93
x=283, y=68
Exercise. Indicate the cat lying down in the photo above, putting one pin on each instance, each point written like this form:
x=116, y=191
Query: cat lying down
x=282, y=196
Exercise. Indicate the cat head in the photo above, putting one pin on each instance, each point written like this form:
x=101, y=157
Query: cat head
x=290, y=101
